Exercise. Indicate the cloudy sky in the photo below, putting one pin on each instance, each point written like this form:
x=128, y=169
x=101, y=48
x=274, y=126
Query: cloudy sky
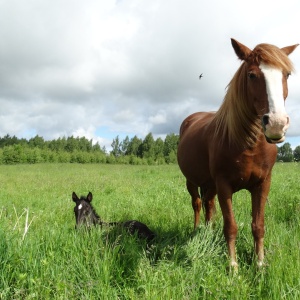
x=129, y=67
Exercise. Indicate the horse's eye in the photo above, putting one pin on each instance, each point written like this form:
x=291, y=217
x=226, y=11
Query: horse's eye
x=251, y=75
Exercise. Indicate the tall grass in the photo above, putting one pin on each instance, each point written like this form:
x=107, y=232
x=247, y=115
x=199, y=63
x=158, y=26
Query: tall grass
x=42, y=257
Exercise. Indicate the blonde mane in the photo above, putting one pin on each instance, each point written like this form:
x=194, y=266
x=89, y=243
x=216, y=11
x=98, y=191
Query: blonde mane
x=236, y=119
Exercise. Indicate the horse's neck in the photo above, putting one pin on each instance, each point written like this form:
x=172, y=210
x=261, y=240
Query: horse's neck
x=95, y=217
x=239, y=126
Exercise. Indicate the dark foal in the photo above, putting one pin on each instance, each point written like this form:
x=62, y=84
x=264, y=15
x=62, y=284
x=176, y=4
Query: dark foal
x=85, y=214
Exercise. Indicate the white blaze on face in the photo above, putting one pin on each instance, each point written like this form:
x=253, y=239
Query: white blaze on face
x=278, y=118
x=273, y=78
x=80, y=206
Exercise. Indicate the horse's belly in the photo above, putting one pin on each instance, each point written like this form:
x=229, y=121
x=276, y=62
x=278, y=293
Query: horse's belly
x=193, y=160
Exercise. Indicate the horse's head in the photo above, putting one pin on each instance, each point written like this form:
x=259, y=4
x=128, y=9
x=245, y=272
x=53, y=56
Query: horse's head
x=267, y=69
x=84, y=212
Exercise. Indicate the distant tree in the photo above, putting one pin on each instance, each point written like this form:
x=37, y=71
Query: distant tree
x=5, y=141
x=134, y=147
x=58, y=145
x=285, y=153
x=96, y=148
x=147, y=146
x=36, y=141
x=116, y=148
x=125, y=145
x=71, y=145
x=296, y=153
x=158, y=149
x=171, y=158
x=8, y=140
x=171, y=144
x=84, y=144
x=170, y=148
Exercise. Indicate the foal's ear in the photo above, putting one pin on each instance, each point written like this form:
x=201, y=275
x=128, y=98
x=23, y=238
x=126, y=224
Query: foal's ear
x=289, y=49
x=241, y=50
x=74, y=197
x=89, y=197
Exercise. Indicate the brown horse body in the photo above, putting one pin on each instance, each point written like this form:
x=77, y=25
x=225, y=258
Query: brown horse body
x=234, y=148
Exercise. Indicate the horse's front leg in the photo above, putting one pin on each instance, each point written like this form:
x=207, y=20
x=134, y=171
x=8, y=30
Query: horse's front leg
x=196, y=201
x=230, y=226
x=259, y=197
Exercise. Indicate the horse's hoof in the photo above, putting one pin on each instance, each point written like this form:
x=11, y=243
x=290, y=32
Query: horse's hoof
x=234, y=267
x=260, y=264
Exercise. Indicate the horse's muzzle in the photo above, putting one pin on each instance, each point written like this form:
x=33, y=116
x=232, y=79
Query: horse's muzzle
x=275, y=127
x=275, y=141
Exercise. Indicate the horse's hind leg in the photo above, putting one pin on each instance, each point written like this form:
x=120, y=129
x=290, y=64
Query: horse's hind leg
x=196, y=201
x=208, y=198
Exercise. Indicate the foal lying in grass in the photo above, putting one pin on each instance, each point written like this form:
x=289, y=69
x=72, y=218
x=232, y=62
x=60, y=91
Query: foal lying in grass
x=86, y=215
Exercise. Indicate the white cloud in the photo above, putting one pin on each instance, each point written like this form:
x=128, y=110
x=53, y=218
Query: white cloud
x=159, y=118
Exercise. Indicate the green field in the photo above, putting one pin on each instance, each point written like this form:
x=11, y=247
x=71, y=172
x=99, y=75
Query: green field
x=42, y=257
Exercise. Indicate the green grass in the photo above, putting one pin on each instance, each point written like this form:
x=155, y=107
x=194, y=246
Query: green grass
x=42, y=257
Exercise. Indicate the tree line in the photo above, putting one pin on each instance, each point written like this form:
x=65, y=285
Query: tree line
x=285, y=153
x=82, y=150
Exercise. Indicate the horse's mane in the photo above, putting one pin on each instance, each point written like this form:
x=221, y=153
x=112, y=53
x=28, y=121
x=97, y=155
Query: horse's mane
x=236, y=120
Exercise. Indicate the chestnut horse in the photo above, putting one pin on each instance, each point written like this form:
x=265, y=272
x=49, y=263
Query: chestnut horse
x=234, y=148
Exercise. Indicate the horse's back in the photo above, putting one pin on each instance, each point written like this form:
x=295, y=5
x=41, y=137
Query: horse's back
x=195, y=121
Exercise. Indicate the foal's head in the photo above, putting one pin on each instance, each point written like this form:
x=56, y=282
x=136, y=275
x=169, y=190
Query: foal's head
x=84, y=211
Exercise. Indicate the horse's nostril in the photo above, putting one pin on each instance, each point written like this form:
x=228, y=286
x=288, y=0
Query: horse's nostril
x=265, y=120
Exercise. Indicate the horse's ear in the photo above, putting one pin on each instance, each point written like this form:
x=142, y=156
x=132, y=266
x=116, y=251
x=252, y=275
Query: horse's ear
x=89, y=197
x=74, y=197
x=241, y=50
x=289, y=49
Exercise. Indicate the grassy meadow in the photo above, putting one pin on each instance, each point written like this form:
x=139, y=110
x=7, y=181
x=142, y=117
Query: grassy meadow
x=42, y=257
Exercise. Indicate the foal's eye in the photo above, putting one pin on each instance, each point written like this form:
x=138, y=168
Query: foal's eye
x=251, y=75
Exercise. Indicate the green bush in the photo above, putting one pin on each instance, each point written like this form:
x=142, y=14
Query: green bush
x=63, y=157
x=13, y=155
x=33, y=155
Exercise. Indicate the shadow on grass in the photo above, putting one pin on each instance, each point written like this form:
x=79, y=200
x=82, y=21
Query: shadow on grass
x=181, y=247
